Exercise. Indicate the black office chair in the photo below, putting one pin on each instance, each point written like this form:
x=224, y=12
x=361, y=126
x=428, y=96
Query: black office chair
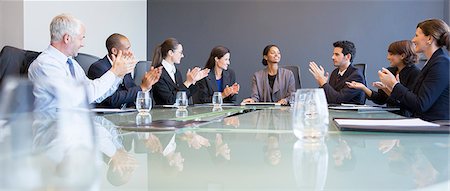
x=86, y=60
x=361, y=67
x=15, y=62
x=296, y=72
x=139, y=71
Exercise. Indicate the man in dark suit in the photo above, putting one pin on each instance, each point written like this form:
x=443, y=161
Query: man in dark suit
x=127, y=90
x=336, y=90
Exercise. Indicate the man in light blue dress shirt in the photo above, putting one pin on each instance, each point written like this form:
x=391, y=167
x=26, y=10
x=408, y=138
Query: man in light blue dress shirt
x=54, y=70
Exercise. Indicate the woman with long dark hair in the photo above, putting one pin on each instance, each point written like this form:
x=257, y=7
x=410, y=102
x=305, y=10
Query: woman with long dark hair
x=222, y=79
x=167, y=54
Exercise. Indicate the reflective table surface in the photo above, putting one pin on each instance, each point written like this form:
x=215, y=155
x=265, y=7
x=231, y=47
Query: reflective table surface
x=238, y=148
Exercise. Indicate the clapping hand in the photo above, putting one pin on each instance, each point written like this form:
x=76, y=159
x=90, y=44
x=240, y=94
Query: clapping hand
x=122, y=64
x=387, y=78
x=230, y=90
x=318, y=73
x=150, y=78
x=355, y=85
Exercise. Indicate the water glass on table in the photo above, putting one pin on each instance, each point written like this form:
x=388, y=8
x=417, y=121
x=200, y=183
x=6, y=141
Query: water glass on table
x=310, y=114
x=143, y=102
x=181, y=100
x=217, y=99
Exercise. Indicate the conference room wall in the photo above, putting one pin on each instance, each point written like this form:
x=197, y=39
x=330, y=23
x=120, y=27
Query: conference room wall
x=102, y=18
x=11, y=23
x=303, y=29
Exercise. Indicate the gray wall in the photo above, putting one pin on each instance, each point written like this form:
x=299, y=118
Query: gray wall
x=304, y=30
x=11, y=23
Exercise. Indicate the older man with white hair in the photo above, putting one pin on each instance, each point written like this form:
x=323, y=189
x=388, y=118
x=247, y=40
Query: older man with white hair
x=55, y=67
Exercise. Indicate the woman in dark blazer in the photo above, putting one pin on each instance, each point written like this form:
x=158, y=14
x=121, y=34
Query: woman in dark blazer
x=165, y=90
x=429, y=99
x=220, y=79
x=402, y=58
x=272, y=84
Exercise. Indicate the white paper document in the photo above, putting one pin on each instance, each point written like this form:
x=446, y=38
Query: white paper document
x=414, y=122
x=111, y=110
x=262, y=104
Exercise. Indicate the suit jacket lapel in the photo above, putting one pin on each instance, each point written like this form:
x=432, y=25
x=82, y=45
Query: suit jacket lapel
x=165, y=75
x=226, y=79
x=212, y=81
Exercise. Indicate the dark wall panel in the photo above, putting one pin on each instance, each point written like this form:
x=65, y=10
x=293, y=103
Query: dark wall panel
x=304, y=31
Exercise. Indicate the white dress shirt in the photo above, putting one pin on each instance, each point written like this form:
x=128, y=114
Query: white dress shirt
x=51, y=77
x=341, y=73
x=170, y=68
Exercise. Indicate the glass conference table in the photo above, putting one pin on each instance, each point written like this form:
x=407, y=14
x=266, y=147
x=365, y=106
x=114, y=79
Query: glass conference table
x=254, y=148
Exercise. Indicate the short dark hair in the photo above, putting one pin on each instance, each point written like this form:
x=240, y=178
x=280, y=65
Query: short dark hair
x=113, y=41
x=405, y=47
x=266, y=51
x=347, y=48
x=219, y=52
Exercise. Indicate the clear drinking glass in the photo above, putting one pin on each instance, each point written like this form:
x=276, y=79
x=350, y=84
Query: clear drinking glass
x=143, y=102
x=217, y=99
x=181, y=100
x=310, y=114
x=292, y=100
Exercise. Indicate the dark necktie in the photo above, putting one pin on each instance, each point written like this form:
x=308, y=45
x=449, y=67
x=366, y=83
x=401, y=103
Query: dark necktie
x=72, y=70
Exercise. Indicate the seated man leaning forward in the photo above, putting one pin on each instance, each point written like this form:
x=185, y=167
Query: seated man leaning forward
x=125, y=95
x=336, y=90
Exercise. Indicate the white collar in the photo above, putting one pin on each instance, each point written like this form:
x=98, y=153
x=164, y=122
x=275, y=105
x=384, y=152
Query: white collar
x=169, y=67
x=110, y=61
x=58, y=55
x=343, y=72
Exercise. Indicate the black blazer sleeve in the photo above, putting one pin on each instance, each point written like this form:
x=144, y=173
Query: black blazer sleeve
x=429, y=99
x=165, y=90
x=341, y=93
x=380, y=97
x=206, y=87
x=125, y=93
x=203, y=94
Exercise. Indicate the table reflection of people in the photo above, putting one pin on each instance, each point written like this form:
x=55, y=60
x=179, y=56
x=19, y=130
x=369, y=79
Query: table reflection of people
x=406, y=159
x=121, y=164
x=63, y=146
x=268, y=122
x=194, y=140
x=232, y=121
x=342, y=153
x=155, y=146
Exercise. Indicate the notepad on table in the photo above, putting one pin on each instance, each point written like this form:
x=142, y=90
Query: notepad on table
x=403, y=125
x=361, y=107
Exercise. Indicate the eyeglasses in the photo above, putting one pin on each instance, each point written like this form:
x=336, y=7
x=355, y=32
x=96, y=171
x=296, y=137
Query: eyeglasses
x=181, y=52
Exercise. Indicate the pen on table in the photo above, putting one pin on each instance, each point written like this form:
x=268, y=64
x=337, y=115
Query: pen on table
x=123, y=106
